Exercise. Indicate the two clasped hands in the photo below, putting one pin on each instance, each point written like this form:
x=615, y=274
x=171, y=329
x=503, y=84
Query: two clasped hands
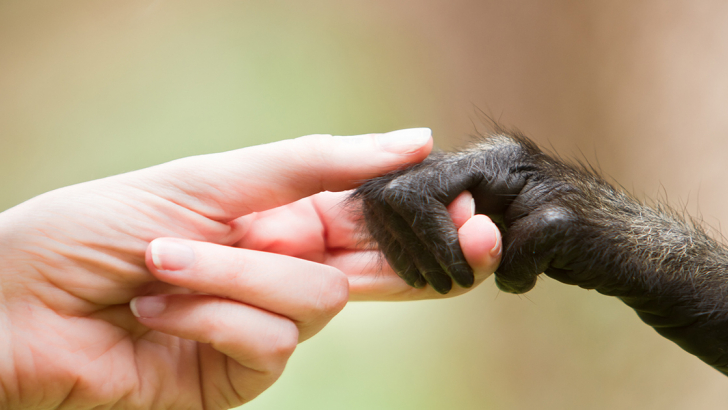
x=189, y=284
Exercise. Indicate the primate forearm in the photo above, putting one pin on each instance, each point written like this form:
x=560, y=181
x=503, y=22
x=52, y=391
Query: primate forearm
x=562, y=220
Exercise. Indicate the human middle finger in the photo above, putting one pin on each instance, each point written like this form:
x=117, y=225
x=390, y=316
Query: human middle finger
x=306, y=292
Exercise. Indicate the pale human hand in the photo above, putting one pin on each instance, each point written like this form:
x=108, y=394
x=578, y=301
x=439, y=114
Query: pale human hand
x=338, y=241
x=218, y=321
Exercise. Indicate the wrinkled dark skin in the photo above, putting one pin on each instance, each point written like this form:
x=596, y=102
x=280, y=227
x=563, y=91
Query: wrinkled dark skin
x=561, y=220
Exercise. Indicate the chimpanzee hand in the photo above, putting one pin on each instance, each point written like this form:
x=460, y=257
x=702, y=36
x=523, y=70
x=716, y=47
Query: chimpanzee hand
x=535, y=200
x=559, y=219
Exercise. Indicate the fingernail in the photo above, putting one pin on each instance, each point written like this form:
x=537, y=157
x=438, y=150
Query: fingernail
x=404, y=141
x=472, y=207
x=171, y=255
x=148, y=306
x=497, y=248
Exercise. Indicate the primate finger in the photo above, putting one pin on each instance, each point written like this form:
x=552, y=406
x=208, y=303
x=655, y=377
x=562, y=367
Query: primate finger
x=439, y=281
x=426, y=263
x=529, y=248
x=404, y=265
x=378, y=216
x=434, y=228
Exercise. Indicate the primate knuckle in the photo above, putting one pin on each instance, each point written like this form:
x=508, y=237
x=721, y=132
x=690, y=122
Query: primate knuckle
x=514, y=286
x=556, y=217
x=396, y=195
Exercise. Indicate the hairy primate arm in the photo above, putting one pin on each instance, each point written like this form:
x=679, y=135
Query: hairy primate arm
x=561, y=220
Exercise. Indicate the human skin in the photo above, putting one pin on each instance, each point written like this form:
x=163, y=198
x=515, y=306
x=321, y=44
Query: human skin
x=229, y=261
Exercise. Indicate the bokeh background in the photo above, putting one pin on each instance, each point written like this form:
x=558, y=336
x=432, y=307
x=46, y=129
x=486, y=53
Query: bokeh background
x=93, y=88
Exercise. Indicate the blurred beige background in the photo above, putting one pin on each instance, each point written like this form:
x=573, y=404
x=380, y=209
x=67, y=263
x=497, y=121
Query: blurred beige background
x=94, y=88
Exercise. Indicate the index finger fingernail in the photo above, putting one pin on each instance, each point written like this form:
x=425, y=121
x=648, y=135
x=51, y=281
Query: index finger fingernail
x=404, y=141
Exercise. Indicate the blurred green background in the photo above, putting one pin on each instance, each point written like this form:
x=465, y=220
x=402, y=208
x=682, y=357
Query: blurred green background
x=95, y=88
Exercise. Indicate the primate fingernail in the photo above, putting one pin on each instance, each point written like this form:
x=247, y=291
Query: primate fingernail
x=419, y=283
x=169, y=255
x=148, y=306
x=462, y=274
x=404, y=141
x=472, y=207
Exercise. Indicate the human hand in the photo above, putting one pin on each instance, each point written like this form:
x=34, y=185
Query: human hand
x=218, y=322
x=339, y=241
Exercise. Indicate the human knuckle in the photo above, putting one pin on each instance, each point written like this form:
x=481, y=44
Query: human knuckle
x=315, y=153
x=332, y=295
x=337, y=291
x=230, y=277
x=216, y=322
x=318, y=144
x=283, y=341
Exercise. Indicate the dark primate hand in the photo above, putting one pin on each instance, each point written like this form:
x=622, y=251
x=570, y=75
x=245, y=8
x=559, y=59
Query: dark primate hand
x=561, y=220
